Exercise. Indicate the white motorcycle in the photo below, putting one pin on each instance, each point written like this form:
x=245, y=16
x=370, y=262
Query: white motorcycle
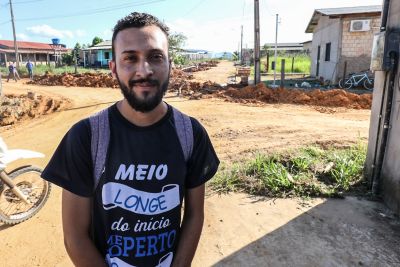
x=22, y=191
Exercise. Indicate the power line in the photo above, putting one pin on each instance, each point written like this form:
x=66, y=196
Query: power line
x=93, y=11
x=26, y=2
x=194, y=7
x=5, y=22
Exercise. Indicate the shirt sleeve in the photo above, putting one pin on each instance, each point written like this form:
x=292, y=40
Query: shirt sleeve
x=203, y=163
x=71, y=164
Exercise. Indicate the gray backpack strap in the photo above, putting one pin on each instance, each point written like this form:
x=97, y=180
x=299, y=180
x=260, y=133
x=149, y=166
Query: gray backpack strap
x=100, y=129
x=183, y=126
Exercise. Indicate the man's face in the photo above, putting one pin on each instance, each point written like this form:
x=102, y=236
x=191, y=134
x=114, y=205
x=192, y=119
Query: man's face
x=141, y=66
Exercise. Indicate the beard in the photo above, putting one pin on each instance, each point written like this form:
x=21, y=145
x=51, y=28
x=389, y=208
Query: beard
x=147, y=102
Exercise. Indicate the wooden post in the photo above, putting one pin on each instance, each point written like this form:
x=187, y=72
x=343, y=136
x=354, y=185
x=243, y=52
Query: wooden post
x=5, y=58
x=267, y=64
x=47, y=59
x=344, y=71
x=292, y=64
x=282, y=73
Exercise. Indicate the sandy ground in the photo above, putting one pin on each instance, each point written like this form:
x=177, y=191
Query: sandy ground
x=239, y=230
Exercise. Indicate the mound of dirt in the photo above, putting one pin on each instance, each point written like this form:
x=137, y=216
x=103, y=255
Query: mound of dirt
x=14, y=108
x=330, y=98
x=99, y=79
x=81, y=80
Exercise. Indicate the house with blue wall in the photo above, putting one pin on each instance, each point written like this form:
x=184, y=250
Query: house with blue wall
x=98, y=55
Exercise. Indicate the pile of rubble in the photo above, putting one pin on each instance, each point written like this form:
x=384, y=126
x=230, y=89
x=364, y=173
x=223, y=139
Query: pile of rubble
x=82, y=80
x=329, y=98
x=202, y=66
x=180, y=82
x=14, y=108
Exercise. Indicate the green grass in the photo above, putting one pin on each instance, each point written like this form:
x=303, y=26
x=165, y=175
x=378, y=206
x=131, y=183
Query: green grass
x=302, y=63
x=41, y=69
x=307, y=172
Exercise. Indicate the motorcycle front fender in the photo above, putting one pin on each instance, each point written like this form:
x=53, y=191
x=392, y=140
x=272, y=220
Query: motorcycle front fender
x=14, y=154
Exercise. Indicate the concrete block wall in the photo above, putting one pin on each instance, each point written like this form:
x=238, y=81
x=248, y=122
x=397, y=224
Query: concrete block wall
x=356, y=46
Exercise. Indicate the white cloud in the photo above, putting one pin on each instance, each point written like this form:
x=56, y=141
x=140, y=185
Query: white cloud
x=106, y=34
x=215, y=35
x=22, y=37
x=224, y=34
x=80, y=33
x=48, y=31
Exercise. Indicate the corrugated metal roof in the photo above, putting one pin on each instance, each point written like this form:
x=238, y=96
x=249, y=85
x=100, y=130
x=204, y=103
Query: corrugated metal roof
x=349, y=10
x=104, y=43
x=285, y=44
x=340, y=11
x=29, y=45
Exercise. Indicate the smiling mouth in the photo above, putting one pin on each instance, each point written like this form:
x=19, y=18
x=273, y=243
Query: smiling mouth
x=140, y=85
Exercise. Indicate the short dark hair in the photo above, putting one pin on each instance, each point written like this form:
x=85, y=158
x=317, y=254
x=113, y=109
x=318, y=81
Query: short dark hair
x=136, y=20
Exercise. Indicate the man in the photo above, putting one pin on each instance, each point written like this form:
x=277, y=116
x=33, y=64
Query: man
x=132, y=217
x=29, y=67
x=11, y=72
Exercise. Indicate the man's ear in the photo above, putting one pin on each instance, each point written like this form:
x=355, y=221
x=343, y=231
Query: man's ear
x=113, y=68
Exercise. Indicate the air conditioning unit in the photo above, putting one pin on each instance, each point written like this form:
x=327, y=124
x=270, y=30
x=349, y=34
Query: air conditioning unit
x=360, y=25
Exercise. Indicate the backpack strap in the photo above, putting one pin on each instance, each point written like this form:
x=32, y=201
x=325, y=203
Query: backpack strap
x=100, y=132
x=184, y=130
x=100, y=138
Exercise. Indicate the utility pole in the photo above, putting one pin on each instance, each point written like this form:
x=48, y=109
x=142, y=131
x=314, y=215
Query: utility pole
x=15, y=37
x=276, y=47
x=256, y=42
x=241, y=47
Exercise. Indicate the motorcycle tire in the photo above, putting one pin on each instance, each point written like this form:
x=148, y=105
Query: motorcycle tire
x=14, y=210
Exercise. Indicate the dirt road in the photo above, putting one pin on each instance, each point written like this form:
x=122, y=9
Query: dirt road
x=239, y=230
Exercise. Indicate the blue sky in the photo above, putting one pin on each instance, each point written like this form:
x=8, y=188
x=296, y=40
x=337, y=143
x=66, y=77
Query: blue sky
x=213, y=25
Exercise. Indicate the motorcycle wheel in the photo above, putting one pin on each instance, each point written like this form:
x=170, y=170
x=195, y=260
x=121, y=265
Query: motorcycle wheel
x=13, y=210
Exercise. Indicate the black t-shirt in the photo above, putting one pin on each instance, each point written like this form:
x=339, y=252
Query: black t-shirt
x=137, y=203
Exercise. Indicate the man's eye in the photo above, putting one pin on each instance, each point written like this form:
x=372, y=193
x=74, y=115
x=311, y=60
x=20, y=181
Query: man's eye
x=131, y=58
x=157, y=57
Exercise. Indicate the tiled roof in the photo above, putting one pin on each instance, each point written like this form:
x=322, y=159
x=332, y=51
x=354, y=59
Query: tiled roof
x=28, y=45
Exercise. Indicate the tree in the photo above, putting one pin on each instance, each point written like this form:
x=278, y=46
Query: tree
x=76, y=50
x=176, y=41
x=66, y=59
x=235, y=55
x=96, y=40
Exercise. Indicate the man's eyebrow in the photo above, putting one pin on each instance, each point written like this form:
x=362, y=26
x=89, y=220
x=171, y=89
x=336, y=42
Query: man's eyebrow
x=129, y=52
x=155, y=50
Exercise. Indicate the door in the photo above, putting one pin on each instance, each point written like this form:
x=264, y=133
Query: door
x=318, y=58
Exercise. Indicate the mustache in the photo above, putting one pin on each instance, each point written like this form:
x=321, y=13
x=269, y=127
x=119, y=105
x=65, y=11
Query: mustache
x=131, y=83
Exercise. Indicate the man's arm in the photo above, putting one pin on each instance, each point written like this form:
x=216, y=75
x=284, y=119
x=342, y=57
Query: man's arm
x=192, y=225
x=76, y=219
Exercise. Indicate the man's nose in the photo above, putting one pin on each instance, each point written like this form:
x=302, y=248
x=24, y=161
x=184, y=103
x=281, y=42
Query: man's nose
x=143, y=69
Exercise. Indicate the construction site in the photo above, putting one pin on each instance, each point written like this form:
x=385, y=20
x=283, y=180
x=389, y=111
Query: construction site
x=242, y=120
x=182, y=83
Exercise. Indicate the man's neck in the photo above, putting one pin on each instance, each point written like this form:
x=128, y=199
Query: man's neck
x=139, y=118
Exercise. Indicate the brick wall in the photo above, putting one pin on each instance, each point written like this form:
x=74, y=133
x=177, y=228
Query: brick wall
x=357, y=46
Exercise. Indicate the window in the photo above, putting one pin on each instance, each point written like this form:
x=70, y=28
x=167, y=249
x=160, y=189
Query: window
x=106, y=55
x=328, y=52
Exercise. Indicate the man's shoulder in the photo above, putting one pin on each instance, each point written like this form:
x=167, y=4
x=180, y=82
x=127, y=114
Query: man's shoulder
x=81, y=129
